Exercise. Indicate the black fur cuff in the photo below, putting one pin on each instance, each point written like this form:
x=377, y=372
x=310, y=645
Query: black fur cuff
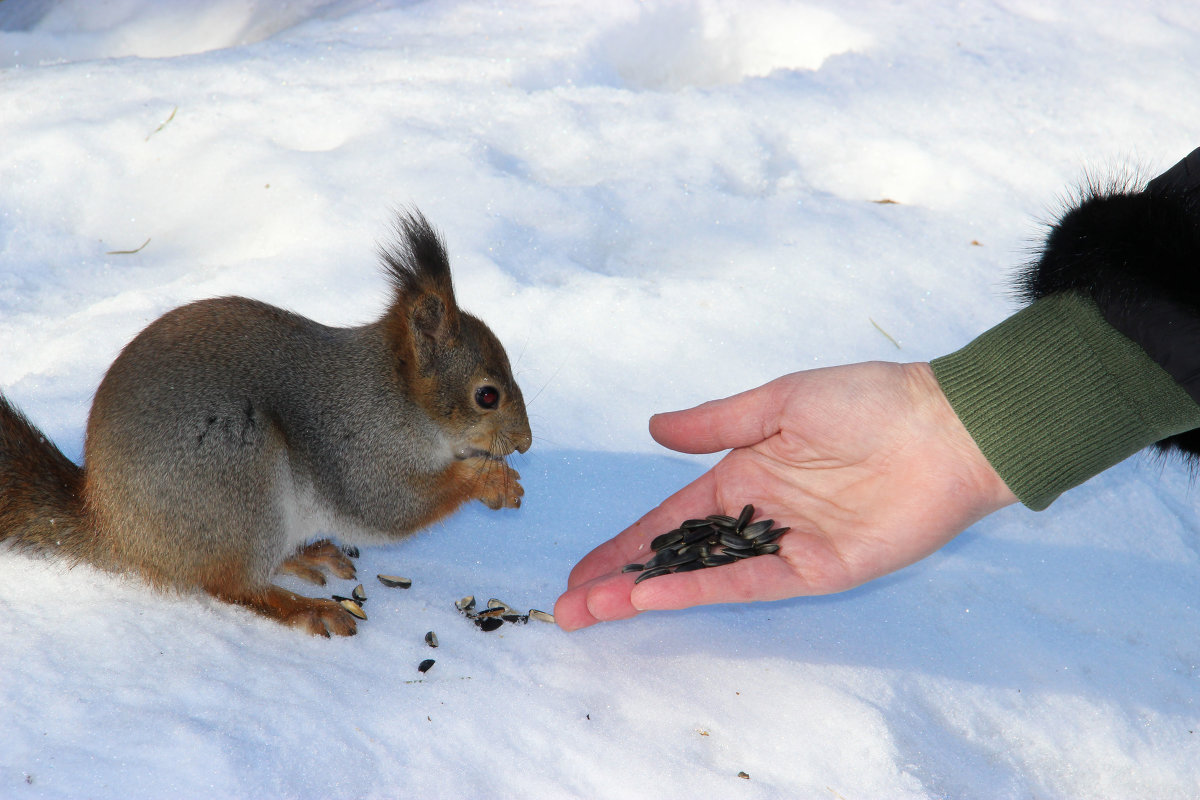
x=1137, y=255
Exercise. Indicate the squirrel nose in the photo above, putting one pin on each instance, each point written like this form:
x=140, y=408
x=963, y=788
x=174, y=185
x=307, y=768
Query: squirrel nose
x=523, y=441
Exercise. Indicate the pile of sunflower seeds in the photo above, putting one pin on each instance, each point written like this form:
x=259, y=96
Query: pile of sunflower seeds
x=710, y=542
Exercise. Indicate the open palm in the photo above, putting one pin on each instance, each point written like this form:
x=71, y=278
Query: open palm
x=866, y=463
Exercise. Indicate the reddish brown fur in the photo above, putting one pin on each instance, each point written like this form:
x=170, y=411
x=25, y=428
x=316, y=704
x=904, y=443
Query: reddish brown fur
x=311, y=559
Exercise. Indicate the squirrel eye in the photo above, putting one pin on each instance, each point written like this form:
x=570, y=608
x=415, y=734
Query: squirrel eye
x=487, y=396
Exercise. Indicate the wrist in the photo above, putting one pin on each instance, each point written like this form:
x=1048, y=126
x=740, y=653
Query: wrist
x=984, y=489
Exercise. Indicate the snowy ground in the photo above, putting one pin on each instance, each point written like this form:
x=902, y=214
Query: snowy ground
x=652, y=203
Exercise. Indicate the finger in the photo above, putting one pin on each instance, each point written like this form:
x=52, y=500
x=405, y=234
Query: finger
x=601, y=600
x=632, y=545
x=739, y=421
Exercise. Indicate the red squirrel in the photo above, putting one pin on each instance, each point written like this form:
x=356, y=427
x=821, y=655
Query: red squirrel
x=229, y=433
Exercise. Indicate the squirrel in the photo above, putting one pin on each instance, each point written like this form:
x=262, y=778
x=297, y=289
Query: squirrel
x=229, y=433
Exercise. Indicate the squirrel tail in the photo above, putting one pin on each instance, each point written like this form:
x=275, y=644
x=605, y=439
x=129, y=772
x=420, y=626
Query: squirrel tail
x=41, y=492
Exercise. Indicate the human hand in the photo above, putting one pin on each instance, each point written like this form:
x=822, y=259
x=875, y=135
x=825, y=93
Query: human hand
x=866, y=463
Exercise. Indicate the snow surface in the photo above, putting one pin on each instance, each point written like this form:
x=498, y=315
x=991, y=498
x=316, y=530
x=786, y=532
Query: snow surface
x=652, y=204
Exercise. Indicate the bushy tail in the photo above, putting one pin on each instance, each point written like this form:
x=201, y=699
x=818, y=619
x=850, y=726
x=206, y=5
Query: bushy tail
x=41, y=492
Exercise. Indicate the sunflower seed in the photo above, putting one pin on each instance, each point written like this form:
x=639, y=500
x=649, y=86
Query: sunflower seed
x=394, y=581
x=660, y=559
x=633, y=568
x=431, y=639
x=691, y=565
x=702, y=549
x=694, y=523
x=719, y=560
x=738, y=555
x=682, y=558
x=733, y=541
x=651, y=573
x=425, y=665
x=541, y=616
x=666, y=539
x=745, y=517
x=695, y=535
x=769, y=536
x=723, y=522
x=766, y=549
x=757, y=528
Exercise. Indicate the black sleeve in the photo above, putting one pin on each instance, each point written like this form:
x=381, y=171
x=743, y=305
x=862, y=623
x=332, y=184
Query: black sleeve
x=1136, y=254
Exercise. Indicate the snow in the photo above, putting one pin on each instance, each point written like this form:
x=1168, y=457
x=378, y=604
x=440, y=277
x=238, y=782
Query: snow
x=652, y=204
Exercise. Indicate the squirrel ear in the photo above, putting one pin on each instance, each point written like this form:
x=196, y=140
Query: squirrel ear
x=430, y=319
x=424, y=314
x=416, y=260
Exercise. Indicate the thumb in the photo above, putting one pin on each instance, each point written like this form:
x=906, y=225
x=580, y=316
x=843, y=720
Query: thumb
x=739, y=421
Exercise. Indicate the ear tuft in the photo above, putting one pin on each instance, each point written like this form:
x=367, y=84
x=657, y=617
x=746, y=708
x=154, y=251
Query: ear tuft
x=416, y=260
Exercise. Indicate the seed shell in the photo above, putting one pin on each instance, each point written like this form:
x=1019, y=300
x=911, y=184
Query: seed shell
x=541, y=616
x=489, y=625
x=353, y=607
x=466, y=605
x=359, y=593
x=516, y=619
x=395, y=581
x=431, y=639
x=492, y=613
x=494, y=603
x=425, y=665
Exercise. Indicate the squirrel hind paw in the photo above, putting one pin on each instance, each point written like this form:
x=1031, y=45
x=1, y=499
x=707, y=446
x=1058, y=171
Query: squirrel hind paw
x=317, y=616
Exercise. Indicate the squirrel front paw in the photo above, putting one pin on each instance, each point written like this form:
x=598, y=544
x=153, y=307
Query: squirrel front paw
x=498, y=486
x=312, y=558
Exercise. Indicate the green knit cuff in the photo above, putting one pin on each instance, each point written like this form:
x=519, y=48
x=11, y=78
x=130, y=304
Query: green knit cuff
x=1054, y=395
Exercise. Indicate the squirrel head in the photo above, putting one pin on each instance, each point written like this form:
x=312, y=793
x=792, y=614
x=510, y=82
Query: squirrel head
x=449, y=361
